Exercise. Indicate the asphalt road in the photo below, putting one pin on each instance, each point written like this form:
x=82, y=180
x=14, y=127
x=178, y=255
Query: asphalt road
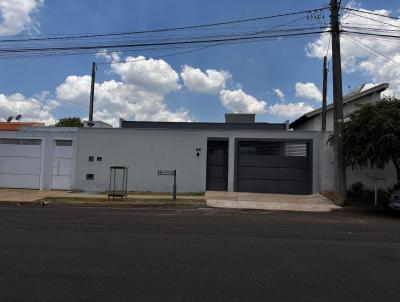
x=80, y=254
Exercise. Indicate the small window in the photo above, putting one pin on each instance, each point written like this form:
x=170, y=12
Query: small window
x=34, y=142
x=99, y=158
x=89, y=176
x=63, y=142
x=91, y=158
x=296, y=149
x=18, y=141
x=9, y=141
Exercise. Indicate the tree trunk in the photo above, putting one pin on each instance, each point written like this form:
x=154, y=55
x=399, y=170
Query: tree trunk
x=397, y=166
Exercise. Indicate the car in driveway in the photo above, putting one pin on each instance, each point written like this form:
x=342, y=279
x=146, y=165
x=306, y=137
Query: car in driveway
x=394, y=201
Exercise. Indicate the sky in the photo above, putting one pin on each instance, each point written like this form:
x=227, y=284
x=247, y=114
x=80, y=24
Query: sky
x=278, y=79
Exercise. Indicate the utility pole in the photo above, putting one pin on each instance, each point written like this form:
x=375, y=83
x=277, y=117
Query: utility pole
x=90, y=124
x=340, y=169
x=324, y=93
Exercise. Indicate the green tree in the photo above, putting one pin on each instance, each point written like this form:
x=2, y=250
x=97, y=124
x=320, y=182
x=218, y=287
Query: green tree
x=69, y=122
x=372, y=135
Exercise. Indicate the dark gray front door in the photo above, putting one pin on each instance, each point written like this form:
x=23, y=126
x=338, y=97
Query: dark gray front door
x=217, y=166
x=273, y=167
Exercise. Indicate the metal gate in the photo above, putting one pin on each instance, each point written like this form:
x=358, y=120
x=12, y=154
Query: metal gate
x=217, y=166
x=282, y=167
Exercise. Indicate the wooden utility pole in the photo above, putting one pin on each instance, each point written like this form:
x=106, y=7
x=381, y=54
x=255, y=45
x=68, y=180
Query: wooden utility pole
x=340, y=169
x=324, y=94
x=92, y=94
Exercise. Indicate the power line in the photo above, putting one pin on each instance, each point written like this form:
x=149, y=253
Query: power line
x=273, y=29
x=372, y=29
x=370, y=13
x=164, y=29
x=158, y=57
x=375, y=20
x=371, y=50
x=138, y=45
x=371, y=34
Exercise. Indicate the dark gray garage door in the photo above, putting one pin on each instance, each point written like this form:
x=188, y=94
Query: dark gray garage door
x=273, y=167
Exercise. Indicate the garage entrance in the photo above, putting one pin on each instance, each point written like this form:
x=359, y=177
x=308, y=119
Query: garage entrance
x=20, y=163
x=217, y=165
x=282, y=167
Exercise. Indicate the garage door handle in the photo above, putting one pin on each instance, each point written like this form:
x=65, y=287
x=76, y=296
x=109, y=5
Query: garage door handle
x=58, y=167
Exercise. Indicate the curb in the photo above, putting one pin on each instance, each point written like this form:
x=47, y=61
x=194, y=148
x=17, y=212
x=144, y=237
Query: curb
x=39, y=204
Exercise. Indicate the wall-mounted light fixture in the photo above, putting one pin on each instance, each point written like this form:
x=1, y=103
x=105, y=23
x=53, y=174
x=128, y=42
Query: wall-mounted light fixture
x=198, y=150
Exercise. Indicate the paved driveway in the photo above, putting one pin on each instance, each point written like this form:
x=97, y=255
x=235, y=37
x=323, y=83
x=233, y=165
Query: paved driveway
x=283, y=202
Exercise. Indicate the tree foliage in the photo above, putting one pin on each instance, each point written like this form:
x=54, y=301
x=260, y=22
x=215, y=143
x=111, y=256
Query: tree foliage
x=372, y=135
x=69, y=122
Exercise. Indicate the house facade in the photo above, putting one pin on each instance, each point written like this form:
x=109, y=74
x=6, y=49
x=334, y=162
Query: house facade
x=232, y=156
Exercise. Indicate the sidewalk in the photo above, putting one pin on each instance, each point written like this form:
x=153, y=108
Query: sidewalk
x=231, y=200
x=281, y=202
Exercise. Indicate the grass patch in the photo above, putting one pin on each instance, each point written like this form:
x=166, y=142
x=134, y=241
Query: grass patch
x=161, y=193
x=127, y=201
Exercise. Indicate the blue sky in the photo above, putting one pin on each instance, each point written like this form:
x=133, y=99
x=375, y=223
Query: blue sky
x=246, y=76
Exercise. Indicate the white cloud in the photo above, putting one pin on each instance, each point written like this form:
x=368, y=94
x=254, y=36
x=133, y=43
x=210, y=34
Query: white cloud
x=75, y=89
x=290, y=110
x=139, y=96
x=308, y=91
x=16, y=16
x=279, y=94
x=30, y=108
x=115, y=99
x=110, y=57
x=357, y=54
x=210, y=81
x=150, y=74
x=239, y=101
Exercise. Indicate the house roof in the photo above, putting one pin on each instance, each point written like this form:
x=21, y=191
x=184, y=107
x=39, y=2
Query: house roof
x=4, y=126
x=203, y=126
x=351, y=97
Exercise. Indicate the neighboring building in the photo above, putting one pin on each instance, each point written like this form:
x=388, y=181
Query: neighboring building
x=38, y=158
x=15, y=126
x=312, y=121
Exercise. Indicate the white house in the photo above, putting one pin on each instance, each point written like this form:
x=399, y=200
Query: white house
x=239, y=155
x=312, y=121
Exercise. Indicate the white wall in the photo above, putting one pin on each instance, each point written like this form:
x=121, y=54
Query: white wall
x=327, y=176
x=314, y=124
x=367, y=176
x=147, y=150
x=48, y=135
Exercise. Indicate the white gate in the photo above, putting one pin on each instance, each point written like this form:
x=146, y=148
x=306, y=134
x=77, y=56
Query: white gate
x=62, y=164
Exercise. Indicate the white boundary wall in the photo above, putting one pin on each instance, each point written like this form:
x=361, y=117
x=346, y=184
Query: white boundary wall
x=145, y=151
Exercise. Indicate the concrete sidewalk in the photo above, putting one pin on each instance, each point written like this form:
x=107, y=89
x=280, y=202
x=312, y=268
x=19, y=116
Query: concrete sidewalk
x=232, y=200
x=24, y=195
x=282, y=202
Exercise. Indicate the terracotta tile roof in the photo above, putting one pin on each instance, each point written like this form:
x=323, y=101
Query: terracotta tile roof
x=4, y=126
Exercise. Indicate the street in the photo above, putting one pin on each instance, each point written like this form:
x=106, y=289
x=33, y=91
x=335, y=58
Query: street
x=94, y=254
